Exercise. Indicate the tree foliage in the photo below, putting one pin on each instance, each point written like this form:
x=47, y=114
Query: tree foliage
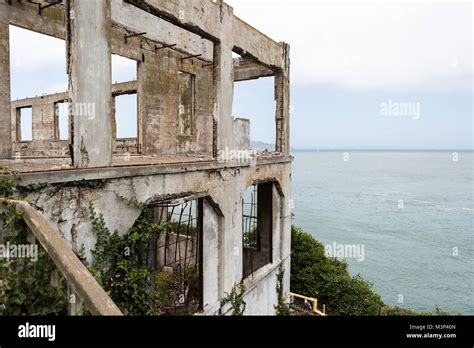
x=327, y=278
x=314, y=274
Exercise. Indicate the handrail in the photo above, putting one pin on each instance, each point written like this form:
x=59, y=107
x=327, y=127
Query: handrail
x=313, y=300
x=76, y=274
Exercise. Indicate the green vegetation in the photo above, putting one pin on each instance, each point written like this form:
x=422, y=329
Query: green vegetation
x=236, y=300
x=29, y=288
x=27, y=285
x=314, y=274
x=121, y=267
x=282, y=308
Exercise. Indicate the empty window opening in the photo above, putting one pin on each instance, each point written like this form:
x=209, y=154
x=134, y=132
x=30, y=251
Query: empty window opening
x=126, y=119
x=257, y=228
x=254, y=100
x=62, y=120
x=37, y=64
x=187, y=95
x=177, y=257
x=123, y=69
x=25, y=124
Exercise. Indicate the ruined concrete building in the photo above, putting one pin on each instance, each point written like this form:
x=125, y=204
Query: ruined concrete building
x=190, y=160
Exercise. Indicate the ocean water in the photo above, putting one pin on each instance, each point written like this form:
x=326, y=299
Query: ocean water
x=411, y=211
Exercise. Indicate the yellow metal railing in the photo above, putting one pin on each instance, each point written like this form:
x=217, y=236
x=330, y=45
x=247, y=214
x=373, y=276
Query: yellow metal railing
x=312, y=300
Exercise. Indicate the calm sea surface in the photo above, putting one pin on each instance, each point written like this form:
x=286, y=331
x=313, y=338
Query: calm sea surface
x=412, y=211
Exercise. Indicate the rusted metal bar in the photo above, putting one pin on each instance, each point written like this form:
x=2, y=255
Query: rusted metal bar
x=43, y=7
x=129, y=36
x=164, y=46
x=193, y=56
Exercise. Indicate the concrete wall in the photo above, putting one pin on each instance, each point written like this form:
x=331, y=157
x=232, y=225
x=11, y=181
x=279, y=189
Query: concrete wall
x=241, y=134
x=160, y=105
x=5, y=124
x=213, y=32
x=93, y=31
x=45, y=142
x=157, y=77
x=68, y=209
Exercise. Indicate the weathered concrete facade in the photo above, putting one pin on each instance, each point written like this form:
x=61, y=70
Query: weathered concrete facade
x=184, y=87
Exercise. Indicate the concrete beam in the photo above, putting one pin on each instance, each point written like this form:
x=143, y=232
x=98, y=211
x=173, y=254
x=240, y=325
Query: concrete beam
x=251, y=42
x=25, y=15
x=5, y=113
x=206, y=18
x=245, y=70
x=76, y=274
x=120, y=88
x=159, y=30
x=60, y=176
x=90, y=85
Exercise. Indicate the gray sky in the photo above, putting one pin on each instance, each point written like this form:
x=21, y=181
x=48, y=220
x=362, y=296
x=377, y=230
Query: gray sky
x=350, y=59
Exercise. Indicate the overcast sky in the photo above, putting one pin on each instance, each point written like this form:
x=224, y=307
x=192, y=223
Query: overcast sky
x=349, y=62
x=349, y=59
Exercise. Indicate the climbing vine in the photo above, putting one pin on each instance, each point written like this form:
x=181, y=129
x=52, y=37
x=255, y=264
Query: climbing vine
x=29, y=285
x=236, y=299
x=282, y=308
x=121, y=266
x=120, y=263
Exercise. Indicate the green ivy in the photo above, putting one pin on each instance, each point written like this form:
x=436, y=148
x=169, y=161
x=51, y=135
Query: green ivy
x=283, y=308
x=121, y=267
x=236, y=299
x=27, y=284
x=27, y=288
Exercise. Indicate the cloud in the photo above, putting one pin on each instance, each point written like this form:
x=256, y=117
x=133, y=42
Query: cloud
x=123, y=69
x=30, y=51
x=355, y=46
x=38, y=64
x=371, y=46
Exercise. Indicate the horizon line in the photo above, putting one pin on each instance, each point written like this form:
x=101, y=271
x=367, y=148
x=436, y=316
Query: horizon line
x=380, y=149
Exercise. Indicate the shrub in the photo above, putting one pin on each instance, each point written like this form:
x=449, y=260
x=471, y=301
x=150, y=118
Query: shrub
x=314, y=274
x=27, y=288
x=327, y=278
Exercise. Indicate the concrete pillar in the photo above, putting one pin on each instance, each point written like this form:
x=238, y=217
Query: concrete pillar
x=286, y=202
x=282, y=97
x=90, y=86
x=224, y=83
x=5, y=112
x=231, y=243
